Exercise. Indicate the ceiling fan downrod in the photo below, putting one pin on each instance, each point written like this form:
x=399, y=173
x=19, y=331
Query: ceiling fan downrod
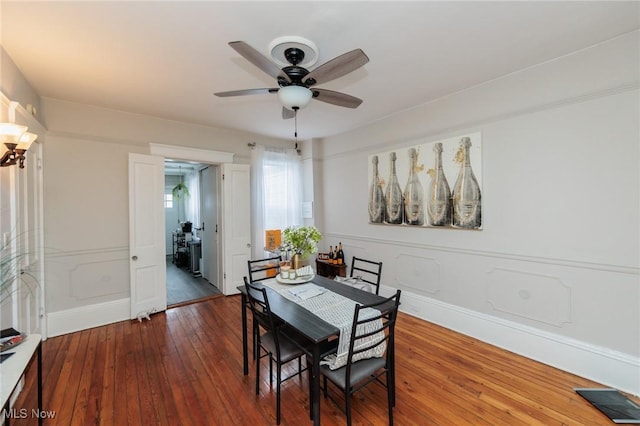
x=295, y=73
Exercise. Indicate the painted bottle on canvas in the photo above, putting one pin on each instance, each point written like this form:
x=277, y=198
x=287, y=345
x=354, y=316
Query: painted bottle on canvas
x=376, y=195
x=393, y=195
x=439, y=202
x=413, y=193
x=466, y=198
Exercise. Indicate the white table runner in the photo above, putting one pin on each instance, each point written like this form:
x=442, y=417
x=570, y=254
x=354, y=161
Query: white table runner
x=336, y=310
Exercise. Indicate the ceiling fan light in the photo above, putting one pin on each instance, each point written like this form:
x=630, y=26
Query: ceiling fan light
x=294, y=96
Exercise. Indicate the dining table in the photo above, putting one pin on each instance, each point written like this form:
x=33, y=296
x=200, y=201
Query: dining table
x=319, y=336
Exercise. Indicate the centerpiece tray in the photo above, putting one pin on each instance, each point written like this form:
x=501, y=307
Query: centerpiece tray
x=298, y=280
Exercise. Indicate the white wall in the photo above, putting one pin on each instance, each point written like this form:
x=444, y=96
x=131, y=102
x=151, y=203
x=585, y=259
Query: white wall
x=86, y=203
x=15, y=87
x=554, y=273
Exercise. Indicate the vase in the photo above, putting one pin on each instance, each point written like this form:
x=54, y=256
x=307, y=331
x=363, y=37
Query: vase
x=296, y=261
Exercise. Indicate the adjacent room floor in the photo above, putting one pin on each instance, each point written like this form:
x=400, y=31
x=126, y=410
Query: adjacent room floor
x=183, y=287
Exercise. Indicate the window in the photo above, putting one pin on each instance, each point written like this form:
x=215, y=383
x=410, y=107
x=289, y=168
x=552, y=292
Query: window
x=168, y=201
x=276, y=176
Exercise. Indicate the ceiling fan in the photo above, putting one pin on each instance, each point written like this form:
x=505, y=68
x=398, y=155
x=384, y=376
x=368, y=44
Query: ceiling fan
x=296, y=83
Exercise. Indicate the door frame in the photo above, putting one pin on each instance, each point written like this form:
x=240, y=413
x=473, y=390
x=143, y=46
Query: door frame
x=202, y=156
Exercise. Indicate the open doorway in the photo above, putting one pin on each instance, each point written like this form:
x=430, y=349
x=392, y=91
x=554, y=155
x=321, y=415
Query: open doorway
x=192, y=246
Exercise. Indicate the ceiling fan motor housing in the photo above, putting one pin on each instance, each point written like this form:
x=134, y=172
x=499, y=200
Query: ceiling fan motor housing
x=294, y=72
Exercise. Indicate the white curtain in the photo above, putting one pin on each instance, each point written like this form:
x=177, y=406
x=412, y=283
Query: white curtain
x=192, y=202
x=276, y=193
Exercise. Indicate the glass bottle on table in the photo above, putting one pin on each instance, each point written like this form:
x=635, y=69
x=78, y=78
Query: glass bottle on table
x=376, y=195
x=439, y=202
x=393, y=196
x=466, y=192
x=330, y=258
x=413, y=193
x=340, y=255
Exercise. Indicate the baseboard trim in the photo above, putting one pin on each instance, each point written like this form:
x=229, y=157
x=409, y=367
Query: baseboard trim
x=76, y=319
x=605, y=366
x=602, y=365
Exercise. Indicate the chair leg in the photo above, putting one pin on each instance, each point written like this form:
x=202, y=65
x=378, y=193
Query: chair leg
x=254, y=333
x=310, y=380
x=270, y=371
x=390, y=396
x=347, y=399
x=258, y=372
x=279, y=371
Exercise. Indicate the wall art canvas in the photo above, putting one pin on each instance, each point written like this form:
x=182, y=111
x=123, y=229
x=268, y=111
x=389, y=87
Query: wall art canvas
x=430, y=184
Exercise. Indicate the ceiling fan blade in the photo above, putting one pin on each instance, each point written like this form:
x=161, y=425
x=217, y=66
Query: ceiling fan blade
x=287, y=113
x=337, y=67
x=336, y=98
x=246, y=92
x=258, y=59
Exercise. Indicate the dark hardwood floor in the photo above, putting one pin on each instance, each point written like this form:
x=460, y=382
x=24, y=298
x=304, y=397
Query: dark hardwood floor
x=183, y=287
x=184, y=367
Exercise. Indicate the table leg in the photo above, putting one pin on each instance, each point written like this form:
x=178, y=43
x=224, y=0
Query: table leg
x=315, y=386
x=40, y=417
x=5, y=413
x=245, y=349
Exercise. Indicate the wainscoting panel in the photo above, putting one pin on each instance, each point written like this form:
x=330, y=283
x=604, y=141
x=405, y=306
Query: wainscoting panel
x=101, y=278
x=565, y=314
x=84, y=278
x=534, y=296
x=418, y=274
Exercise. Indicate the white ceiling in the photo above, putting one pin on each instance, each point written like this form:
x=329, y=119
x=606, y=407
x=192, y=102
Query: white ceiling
x=166, y=59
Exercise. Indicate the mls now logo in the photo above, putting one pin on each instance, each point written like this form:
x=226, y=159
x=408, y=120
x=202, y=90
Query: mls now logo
x=23, y=413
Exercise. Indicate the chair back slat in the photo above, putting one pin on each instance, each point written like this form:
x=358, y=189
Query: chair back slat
x=262, y=269
x=365, y=325
x=259, y=305
x=367, y=270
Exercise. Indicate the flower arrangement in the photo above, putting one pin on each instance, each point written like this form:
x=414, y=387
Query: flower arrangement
x=302, y=240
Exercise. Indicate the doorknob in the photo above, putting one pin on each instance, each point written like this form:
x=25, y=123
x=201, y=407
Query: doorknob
x=134, y=257
x=248, y=244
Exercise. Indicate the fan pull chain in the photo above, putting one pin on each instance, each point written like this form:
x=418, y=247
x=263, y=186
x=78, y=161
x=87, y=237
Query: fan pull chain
x=295, y=123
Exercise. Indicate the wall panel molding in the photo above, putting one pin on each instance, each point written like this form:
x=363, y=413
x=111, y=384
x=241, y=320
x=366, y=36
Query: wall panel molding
x=534, y=296
x=90, y=276
x=621, y=269
x=418, y=273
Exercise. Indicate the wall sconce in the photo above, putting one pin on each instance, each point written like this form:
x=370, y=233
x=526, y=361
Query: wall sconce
x=15, y=138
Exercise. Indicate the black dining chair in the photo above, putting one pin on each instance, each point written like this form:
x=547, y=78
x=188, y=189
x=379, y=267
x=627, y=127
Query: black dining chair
x=262, y=269
x=271, y=342
x=367, y=271
x=357, y=374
